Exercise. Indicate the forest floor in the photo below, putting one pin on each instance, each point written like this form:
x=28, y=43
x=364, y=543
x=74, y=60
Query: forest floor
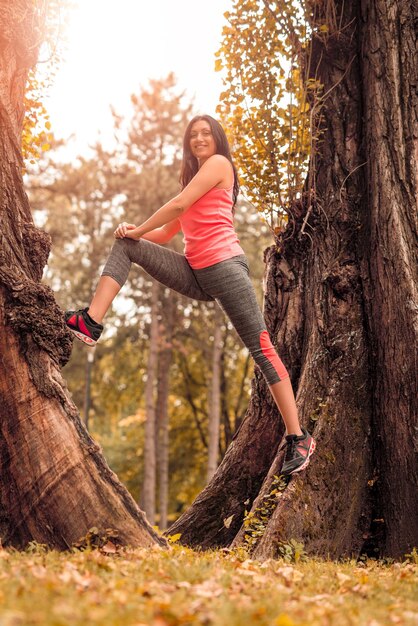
x=183, y=587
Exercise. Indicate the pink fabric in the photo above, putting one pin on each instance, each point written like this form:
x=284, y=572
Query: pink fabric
x=271, y=354
x=208, y=229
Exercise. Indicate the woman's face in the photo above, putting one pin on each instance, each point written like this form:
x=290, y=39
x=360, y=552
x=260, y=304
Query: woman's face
x=202, y=143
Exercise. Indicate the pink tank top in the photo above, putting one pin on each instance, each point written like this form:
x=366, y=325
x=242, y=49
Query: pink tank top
x=208, y=229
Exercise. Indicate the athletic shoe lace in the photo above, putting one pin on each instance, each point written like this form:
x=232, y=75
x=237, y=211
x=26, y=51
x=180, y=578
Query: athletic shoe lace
x=290, y=446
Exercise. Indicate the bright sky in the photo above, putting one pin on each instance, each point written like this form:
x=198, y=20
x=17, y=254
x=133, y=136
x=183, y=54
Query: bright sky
x=114, y=46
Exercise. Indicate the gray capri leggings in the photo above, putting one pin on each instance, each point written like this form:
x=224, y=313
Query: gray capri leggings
x=226, y=282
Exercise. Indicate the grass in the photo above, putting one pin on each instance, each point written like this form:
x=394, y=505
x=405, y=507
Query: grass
x=182, y=587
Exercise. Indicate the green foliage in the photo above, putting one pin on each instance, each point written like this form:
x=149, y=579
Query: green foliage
x=255, y=521
x=412, y=557
x=292, y=551
x=268, y=103
x=117, y=420
x=156, y=128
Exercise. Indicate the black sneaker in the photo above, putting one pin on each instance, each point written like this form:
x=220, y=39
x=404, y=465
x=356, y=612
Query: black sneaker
x=298, y=451
x=83, y=326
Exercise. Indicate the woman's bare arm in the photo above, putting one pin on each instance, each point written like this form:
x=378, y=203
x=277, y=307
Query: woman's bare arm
x=214, y=171
x=163, y=234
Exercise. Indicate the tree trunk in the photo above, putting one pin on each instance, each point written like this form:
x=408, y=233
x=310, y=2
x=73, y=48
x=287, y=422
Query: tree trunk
x=224, y=389
x=335, y=292
x=389, y=260
x=150, y=447
x=216, y=515
x=215, y=396
x=55, y=484
x=163, y=442
x=164, y=364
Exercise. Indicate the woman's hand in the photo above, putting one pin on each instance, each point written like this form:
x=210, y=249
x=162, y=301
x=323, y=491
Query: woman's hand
x=125, y=230
x=133, y=233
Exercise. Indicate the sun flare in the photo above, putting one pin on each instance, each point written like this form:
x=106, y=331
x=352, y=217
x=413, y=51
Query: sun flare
x=114, y=47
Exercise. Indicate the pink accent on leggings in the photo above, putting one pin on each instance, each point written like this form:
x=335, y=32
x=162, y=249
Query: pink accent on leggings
x=271, y=354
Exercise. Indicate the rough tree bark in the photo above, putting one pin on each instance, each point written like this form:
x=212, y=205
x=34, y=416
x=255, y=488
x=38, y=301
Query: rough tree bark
x=238, y=478
x=389, y=259
x=341, y=304
x=54, y=484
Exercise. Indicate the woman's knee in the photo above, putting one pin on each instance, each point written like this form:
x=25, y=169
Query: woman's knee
x=121, y=246
x=119, y=262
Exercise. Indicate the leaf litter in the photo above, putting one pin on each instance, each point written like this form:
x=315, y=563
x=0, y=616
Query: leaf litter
x=111, y=586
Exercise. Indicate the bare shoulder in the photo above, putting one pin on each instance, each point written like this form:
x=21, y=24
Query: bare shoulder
x=218, y=160
x=220, y=166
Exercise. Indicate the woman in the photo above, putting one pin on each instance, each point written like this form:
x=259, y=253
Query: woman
x=213, y=267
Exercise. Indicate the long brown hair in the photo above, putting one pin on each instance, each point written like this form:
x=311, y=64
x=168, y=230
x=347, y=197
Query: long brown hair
x=190, y=164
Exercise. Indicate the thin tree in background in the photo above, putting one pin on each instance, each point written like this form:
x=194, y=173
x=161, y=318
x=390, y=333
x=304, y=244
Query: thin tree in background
x=215, y=395
x=165, y=359
x=150, y=446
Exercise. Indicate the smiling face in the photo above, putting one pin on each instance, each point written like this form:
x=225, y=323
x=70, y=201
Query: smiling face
x=202, y=142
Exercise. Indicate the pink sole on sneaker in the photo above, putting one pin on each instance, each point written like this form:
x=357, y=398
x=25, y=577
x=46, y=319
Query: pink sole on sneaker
x=87, y=340
x=306, y=462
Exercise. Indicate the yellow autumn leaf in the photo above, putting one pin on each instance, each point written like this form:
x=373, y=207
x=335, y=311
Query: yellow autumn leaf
x=284, y=620
x=227, y=521
x=218, y=65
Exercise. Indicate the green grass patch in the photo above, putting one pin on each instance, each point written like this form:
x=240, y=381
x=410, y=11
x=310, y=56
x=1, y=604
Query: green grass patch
x=182, y=587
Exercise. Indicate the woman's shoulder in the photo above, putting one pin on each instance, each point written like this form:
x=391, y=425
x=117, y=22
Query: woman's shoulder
x=219, y=159
x=220, y=164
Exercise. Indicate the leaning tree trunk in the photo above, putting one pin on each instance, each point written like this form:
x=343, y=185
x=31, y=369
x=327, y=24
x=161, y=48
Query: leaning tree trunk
x=333, y=299
x=55, y=484
x=216, y=515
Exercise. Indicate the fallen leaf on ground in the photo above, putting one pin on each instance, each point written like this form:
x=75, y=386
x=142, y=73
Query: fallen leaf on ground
x=208, y=589
x=343, y=578
x=184, y=584
x=109, y=548
x=289, y=574
x=318, y=598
